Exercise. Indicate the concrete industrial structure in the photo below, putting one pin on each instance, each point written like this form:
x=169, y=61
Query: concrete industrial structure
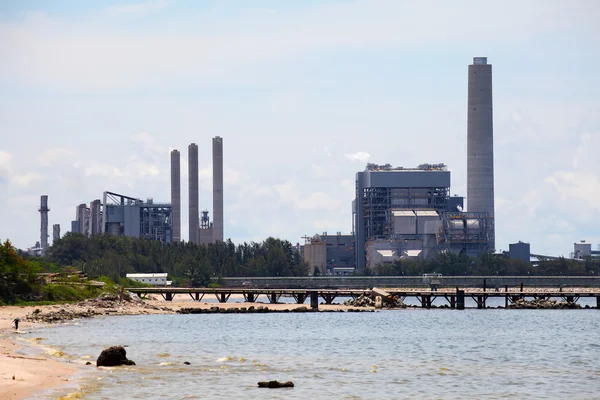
x=44, y=223
x=95, y=224
x=55, y=233
x=176, y=194
x=480, y=143
x=331, y=254
x=314, y=253
x=82, y=219
x=206, y=229
x=129, y=216
x=193, y=217
x=217, y=154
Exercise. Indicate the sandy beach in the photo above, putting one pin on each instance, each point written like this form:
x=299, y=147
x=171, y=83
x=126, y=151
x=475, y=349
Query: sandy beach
x=21, y=376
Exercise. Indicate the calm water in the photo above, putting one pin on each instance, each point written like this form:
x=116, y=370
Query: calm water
x=384, y=355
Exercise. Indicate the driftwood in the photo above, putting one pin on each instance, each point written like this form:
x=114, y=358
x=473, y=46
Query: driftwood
x=28, y=358
x=275, y=384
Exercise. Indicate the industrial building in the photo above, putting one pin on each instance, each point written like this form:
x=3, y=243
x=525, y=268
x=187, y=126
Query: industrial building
x=331, y=254
x=130, y=216
x=583, y=250
x=397, y=212
x=154, y=279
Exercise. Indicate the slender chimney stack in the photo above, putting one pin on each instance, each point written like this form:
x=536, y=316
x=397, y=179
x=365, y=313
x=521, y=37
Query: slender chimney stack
x=176, y=194
x=194, y=219
x=55, y=233
x=480, y=141
x=44, y=225
x=217, y=153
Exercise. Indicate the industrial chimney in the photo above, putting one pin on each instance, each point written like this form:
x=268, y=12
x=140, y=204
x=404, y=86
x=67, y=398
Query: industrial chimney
x=44, y=226
x=194, y=220
x=55, y=233
x=176, y=194
x=217, y=153
x=480, y=142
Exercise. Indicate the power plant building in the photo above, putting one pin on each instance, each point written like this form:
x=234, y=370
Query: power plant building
x=129, y=216
x=408, y=213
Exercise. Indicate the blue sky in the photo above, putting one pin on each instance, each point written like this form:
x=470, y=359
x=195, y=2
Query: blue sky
x=94, y=95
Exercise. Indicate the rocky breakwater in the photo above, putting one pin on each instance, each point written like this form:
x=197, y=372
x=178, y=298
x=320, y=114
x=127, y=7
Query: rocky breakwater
x=365, y=300
x=102, y=305
x=251, y=310
x=543, y=304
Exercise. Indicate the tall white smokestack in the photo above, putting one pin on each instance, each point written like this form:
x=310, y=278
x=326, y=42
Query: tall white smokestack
x=480, y=141
x=217, y=152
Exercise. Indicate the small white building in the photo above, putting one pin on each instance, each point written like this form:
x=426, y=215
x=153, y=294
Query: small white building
x=155, y=279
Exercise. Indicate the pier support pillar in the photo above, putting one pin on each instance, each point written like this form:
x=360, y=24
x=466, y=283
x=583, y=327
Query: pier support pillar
x=197, y=296
x=169, y=296
x=598, y=303
x=452, y=302
x=460, y=299
x=570, y=299
x=480, y=302
x=314, y=300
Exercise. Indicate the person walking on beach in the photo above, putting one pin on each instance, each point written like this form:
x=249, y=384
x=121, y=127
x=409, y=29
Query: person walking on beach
x=16, y=321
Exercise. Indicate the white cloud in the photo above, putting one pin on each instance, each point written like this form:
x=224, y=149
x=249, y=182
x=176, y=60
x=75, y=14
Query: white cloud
x=139, y=8
x=360, y=157
x=95, y=55
x=26, y=179
x=54, y=155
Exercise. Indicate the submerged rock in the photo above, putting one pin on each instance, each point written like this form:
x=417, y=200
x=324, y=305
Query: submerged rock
x=275, y=384
x=112, y=357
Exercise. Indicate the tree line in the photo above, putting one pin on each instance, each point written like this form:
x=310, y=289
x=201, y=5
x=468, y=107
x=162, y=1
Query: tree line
x=185, y=263
x=451, y=264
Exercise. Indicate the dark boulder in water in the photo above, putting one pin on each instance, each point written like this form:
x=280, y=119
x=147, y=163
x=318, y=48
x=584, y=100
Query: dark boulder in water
x=276, y=384
x=112, y=357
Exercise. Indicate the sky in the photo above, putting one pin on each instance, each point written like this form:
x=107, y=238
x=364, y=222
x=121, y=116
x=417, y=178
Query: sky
x=95, y=95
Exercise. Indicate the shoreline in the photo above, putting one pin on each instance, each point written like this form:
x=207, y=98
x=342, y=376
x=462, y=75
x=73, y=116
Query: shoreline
x=22, y=376
x=39, y=374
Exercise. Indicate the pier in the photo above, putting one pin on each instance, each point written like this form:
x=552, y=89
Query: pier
x=454, y=298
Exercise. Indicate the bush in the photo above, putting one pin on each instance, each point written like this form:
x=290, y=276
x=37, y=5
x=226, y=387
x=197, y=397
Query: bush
x=68, y=292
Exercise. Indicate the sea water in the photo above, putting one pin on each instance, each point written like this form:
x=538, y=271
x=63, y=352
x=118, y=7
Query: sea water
x=397, y=354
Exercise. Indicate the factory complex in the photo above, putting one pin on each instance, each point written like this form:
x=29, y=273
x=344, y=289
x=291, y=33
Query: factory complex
x=397, y=212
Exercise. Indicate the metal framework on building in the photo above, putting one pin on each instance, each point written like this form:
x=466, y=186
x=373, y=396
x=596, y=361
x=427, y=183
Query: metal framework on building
x=466, y=232
x=156, y=221
x=378, y=204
